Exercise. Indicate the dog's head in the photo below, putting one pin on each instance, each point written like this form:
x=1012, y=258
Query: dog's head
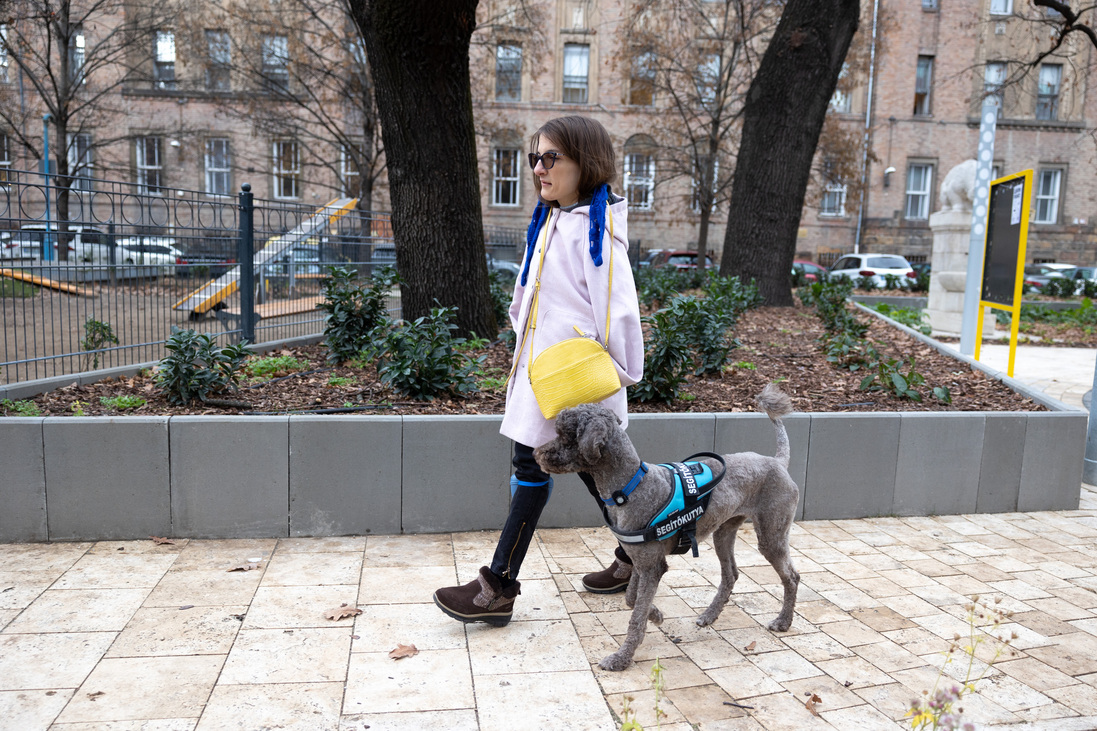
x=582, y=434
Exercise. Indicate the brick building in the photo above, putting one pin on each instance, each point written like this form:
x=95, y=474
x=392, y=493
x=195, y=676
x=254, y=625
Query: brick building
x=188, y=114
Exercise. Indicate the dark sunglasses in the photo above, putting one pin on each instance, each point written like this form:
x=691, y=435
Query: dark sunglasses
x=547, y=159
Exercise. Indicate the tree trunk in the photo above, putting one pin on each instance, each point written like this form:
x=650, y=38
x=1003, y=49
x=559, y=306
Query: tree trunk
x=419, y=57
x=782, y=119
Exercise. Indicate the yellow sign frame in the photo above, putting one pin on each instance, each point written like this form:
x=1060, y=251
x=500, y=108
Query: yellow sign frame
x=1015, y=308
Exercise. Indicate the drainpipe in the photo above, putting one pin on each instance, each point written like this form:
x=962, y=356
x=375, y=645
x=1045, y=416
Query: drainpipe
x=868, y=129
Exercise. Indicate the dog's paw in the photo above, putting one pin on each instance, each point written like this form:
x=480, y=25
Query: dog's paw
x=707, y=618
x=779, y=625
x=655, y=616
x=615, y=662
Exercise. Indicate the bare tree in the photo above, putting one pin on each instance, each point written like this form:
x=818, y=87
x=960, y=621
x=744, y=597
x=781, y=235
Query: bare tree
x=70, y=61
x=692, y=62
x=296, y=69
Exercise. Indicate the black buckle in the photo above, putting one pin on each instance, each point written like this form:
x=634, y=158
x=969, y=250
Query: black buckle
x=619, y=497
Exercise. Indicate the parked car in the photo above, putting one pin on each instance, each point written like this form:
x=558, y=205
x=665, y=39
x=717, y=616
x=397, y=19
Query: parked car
x=810, y=271
x=508, y=270
x=85, y=243
x=158, y=251
x=648, y=256
x=876, y=266
x=921, y=267
x=679, y=260
x=1082, y=275
x=1038, y=275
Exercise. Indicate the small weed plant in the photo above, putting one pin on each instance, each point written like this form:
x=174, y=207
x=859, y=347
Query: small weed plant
x=353, y=310
x=273, y=366
x=197, y=368
x=892, y=282
x=866, y=283
x=19, y=408
x=629, y=722
x=341, y=381
x=122, y=403
x=423, y=360
x=940, y=708
x=911, y=317
x=97, y=335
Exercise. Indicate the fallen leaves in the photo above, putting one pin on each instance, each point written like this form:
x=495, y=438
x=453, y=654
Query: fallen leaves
x=750, y=647
x=812, y=702
x=247, y=566
x=342, y=611
x=162, y=541
x=403, y=651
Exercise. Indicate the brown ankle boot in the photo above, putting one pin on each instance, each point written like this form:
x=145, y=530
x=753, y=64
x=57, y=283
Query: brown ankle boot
x=609, y=580
x=482, y=600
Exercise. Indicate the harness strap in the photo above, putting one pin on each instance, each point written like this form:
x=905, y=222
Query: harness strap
x=620, y=497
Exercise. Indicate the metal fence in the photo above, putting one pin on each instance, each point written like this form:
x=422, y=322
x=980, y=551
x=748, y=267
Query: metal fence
x=97, y=274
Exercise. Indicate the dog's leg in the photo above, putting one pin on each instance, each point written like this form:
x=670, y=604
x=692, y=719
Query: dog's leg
x=773, y=544
x=724, y=541
x=655, y=616
x=647, y=579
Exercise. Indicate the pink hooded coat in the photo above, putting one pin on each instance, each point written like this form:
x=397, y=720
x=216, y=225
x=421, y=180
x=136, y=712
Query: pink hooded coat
x=574, y=292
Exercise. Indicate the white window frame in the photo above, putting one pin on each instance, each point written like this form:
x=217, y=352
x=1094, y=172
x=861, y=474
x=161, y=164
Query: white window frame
x=506, y=175
x=576, y=76
x=4, y=60
x=508, y=68
x=708, y=77
x=923, y=85
x=275, y=62
x=150, y=172
x=80, y=161
x=218, y=164
x=287, y=180
x=1046, y=202
x=348, y=173
x=5, y=159
x=1001, y=7
x=163, y=69
x=694, y=200
x=78, y=56
x=1047, y=93
x=833, y=203
x=642, y=79
x=219, y=60
x=917, y=200
x=640, y=181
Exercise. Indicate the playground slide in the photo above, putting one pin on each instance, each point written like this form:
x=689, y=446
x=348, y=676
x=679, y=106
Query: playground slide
x=205, y=298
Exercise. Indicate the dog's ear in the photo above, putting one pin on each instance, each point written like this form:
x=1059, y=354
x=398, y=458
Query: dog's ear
x=595, y=433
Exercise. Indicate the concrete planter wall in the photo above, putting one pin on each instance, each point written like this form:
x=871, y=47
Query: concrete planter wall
x=84, y=478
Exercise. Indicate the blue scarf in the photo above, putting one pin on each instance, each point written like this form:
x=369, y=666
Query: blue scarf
x=598, y=202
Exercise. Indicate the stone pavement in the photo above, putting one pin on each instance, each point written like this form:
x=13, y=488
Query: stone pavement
x=1062, y=373
x=135, y=635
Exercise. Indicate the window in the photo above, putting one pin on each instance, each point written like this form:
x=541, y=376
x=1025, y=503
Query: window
x=994, y=75
x=840, y=102
x=217, y=166
x=929, y=5
x=508, y=73
x=1001, y=7
x=163, y=72
x=708, y=78
x=834, y=200
x=923, y=82
x=79, y=156
x=919, y=183
x=4, y=78
x=1047, y=196
x=5, y=158
x=150, y=168
x=76, y=55
x=504, y=177
x=276, y=63
x=640, y=180
x=349, y=176
x=1047, y=91
x=219, y=53
x=695, y=183
x=576, y=69
x=641, y=90
x=287, y=169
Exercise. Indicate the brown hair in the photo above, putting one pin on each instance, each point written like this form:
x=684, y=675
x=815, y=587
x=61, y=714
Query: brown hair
x=586, y=142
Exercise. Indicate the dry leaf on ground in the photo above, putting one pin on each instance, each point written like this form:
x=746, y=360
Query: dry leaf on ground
x=810, y=703
x=751, y=646
x=342, y=611
x=249, y=566
x=161, y=541
x=404, y=651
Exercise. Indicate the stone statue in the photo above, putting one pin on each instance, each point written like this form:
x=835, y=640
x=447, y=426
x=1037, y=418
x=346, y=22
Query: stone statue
x=958, y=187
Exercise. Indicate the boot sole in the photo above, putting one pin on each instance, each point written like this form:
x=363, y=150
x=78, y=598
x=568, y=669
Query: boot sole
x=604, y=590
x=496, y=619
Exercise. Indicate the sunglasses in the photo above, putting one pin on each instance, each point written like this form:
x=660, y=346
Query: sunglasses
x=547, y=159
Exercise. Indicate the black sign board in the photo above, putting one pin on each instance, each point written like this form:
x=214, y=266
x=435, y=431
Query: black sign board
x=1007, y=226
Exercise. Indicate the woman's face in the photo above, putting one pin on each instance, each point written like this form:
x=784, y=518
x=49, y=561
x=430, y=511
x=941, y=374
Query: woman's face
x=561, y=182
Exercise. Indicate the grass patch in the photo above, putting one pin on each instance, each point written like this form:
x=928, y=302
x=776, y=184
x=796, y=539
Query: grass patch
x=122, y=403
x=273, y=366
x=19, y=408
x=16, y=288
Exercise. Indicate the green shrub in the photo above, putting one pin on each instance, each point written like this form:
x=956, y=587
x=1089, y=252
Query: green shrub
x=667, y=360
x=891, y=282
x=1059, y=287
x=274, y=365
x=501, y=296
x=920, y=283
x=911, y=317
x=353, y=311
x=196, y=368
x=867, y=284
x=96, y=335
x=655, y=286
x=422, y=359
x=19, y=408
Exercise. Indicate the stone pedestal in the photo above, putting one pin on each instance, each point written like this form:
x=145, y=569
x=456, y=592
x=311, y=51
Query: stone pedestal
x=945, y=307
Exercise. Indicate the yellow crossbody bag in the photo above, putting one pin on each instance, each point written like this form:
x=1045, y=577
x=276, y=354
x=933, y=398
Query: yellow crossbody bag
x=576, y=370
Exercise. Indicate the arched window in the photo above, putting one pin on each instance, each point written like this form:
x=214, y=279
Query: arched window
x=640, y=172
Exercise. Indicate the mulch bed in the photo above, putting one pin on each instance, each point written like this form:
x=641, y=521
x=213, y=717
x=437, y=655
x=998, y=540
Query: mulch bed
x=776, y=344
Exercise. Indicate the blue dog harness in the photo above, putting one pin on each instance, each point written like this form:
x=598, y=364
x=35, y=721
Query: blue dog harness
x=693, y=485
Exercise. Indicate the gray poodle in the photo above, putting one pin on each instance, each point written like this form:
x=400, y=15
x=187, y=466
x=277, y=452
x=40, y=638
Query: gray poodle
x=589, y=439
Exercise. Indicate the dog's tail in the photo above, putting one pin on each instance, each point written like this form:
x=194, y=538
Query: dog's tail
x=776, y=404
